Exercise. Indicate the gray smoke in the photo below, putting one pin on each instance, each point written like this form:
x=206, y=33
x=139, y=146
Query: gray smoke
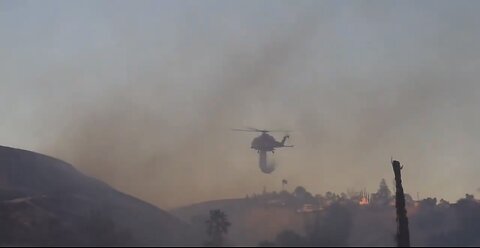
x=142, y=140
x=142, y=95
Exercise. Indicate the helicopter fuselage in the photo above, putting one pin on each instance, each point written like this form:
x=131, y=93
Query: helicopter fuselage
x=267, y=143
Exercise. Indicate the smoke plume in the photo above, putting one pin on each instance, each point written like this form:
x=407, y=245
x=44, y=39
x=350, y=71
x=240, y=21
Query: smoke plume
x=142, y=95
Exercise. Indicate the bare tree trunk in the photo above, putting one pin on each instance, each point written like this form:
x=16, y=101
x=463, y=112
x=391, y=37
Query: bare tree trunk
x=403, y=234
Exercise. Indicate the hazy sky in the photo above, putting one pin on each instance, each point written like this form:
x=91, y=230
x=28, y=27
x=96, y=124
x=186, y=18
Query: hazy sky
x=142, y=94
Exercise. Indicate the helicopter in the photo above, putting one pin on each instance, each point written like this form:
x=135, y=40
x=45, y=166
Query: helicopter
x=266, y=142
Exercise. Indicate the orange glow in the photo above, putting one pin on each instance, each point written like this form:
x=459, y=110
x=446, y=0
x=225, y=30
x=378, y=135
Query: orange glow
x=363, y=201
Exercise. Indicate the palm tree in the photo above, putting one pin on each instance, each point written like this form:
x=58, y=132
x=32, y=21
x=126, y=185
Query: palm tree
x=217, y=226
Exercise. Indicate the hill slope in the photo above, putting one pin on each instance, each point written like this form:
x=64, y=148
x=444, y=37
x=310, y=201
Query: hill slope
x=44, y=201
x=253, y=220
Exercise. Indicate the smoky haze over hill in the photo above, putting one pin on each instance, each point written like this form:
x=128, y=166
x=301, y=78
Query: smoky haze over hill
x=142, y=95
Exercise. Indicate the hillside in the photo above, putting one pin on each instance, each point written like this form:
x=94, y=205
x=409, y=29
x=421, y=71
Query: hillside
x=357, y=219
x=44, y=201
x=332, y=219
x=254, y=219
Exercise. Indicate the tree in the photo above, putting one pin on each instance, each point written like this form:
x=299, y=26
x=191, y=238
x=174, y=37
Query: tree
x=303, y=196
x=217, y=227
x=403, y=233
x=383, y=190
x=300, y=191
x=383, y=195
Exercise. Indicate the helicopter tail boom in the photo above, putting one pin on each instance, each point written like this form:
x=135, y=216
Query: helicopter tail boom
x=284, y=139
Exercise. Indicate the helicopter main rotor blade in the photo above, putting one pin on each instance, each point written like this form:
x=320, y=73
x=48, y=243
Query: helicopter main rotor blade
x=269, y=131
x=245, y=130
x=255, y=129
x=251, y=129
x=279, y=131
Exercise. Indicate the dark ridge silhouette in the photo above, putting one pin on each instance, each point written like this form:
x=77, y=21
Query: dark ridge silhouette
x=44, y=201
x=403, y=234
